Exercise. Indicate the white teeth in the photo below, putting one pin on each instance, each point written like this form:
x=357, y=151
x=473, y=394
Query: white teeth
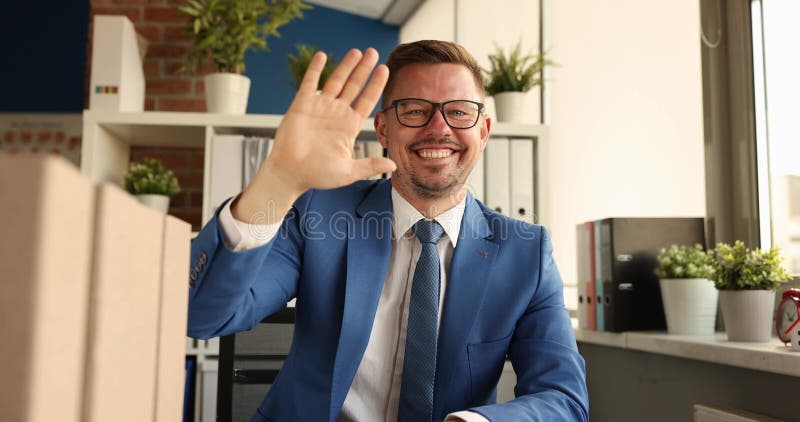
x=435, y=153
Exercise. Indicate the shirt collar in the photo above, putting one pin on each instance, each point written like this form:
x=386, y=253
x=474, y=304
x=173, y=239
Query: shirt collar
x=404, y=215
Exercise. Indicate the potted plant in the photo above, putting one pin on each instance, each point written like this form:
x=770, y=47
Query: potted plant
x=151, y=183
x=224, y=31
x=746, y=280
x=689, y=296
x=298, y=63
x=509, y=77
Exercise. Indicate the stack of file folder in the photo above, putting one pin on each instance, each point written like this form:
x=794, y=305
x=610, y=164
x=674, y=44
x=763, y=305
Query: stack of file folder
x=617, y=286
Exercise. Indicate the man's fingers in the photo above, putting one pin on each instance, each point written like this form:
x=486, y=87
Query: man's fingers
x=369, y=97
x=333, y=86
x=311, y=77
x=359, y=76
x=367, y=167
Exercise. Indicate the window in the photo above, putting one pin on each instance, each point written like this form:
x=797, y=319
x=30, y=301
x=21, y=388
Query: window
x=777, y=100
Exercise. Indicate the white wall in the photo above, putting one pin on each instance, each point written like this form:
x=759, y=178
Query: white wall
x=626, y=120
x=434, y=20
x=478, y=25
x=626, y=129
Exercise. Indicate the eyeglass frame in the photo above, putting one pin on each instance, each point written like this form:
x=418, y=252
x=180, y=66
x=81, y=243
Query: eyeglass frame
x=436, y=106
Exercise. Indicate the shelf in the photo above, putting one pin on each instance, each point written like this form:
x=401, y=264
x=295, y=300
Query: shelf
x=108, y=137
x=184, y=129
x=768, y=357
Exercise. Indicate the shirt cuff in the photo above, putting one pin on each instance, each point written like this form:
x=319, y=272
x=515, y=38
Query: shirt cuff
x=241, y=236
x=467, y=416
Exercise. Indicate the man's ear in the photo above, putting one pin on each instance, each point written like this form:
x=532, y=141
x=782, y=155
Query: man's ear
x=486, y=128
x=380, y=128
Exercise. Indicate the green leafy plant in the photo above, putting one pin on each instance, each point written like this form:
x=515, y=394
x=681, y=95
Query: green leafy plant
x=226, y=29
x=298, y=63
x=738, y=268
x=684, y=262
x=151, y=177
x=514, y=72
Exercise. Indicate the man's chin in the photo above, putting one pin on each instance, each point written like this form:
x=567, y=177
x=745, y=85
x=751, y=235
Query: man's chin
x=429, y=190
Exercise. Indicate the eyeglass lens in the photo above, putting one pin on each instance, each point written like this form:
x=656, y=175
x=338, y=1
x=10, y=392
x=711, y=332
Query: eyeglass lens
x=458, y=114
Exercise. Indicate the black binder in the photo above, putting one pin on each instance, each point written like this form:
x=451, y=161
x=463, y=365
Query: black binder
x=631, y=294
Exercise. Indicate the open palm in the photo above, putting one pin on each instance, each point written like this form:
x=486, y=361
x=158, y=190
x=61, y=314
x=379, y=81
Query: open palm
x=314, y=143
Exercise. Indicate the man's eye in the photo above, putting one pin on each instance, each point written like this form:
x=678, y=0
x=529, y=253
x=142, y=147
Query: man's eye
x=415, y=112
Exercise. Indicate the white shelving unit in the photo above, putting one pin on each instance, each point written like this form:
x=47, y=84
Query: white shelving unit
x=108, y=136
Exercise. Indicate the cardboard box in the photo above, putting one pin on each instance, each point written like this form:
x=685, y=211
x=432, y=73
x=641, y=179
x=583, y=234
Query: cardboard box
x=174, y=302
x=45, y=253
x=124, y=309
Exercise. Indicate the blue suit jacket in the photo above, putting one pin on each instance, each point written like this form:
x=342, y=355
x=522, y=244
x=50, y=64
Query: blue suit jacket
x=504, y=298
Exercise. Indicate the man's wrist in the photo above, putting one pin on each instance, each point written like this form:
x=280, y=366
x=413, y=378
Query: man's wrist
x=266, y=200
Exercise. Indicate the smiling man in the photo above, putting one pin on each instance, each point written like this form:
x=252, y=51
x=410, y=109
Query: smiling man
x=412, y=313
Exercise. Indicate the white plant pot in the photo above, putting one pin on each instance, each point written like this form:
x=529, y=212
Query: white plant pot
x=690, y=305
x=157, y=202
x=510, y=107
x=747, y=314
x=227, y=93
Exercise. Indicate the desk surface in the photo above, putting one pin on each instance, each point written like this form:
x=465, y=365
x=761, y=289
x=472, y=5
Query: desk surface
x=770, y=357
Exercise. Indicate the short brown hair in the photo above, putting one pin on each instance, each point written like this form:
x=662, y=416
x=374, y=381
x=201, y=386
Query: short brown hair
x=429, y=52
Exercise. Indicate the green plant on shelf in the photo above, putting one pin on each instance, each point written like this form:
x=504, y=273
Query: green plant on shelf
x=739, y=268
x=515, y=71
x=151, y=177
x=298, y=63
x=226, y=29
x=680, y=261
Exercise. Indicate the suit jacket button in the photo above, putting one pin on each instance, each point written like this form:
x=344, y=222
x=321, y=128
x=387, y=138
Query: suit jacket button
x=192, y=277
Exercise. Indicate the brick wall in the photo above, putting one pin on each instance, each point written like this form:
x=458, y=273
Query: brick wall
x=162, y=25
x=187, y=164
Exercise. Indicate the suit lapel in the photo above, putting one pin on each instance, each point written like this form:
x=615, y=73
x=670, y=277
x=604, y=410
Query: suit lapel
x=368, y=252
x=466, y=285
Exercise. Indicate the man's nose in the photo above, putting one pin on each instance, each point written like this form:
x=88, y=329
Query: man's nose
x=438, y=122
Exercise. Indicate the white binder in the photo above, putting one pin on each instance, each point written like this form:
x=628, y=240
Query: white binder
x=226, y=168
x=117, y=77
x=373, y=148
x=359, y=150
x=254, y=151
x=582, y=250
x=521, y=159
x=497, y=175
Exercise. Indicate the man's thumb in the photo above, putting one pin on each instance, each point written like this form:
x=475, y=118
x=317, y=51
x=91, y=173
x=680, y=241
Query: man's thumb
x=367, y=167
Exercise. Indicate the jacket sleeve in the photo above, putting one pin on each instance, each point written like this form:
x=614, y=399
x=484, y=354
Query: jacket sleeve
x=551, y=374
x=233, y=291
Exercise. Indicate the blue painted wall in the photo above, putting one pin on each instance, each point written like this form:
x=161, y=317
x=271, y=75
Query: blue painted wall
x=332, y=31
x=44, y=57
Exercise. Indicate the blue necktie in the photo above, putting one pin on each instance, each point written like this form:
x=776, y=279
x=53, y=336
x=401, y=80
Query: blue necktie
x=419, y=366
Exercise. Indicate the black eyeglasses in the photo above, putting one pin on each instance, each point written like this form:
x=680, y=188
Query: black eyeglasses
x=416, y=112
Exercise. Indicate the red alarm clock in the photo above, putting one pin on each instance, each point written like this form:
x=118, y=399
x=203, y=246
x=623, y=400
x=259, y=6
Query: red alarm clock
x=787, y=316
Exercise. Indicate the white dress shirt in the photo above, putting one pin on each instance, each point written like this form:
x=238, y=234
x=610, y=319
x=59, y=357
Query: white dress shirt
x=374, y=394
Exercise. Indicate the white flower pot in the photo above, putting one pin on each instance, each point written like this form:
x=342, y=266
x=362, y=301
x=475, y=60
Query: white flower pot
x=226, y=93
x=510, y=107
x=157, y=202
x=690, y=305
x=747, y=314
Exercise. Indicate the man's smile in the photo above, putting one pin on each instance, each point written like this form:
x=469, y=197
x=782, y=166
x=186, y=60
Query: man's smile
x=432, y=153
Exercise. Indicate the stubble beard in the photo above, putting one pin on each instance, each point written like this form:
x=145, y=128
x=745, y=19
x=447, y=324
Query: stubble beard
x=428, y=189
